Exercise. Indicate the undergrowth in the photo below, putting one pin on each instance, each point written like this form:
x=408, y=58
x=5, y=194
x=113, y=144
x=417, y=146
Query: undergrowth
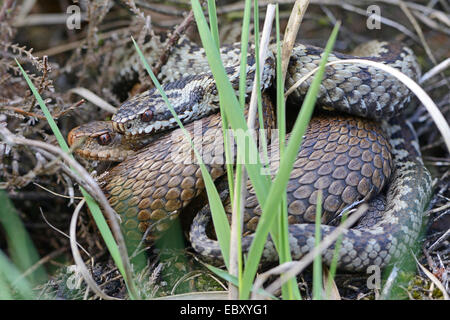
x=35, y=182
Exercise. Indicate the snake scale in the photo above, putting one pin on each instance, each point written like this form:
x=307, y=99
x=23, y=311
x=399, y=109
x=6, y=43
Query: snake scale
x=353, y=153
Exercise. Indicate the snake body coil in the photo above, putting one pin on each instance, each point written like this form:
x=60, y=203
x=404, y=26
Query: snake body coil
x=377, y=241
x=347, y=157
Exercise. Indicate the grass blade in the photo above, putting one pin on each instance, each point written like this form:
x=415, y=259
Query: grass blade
x=317, y=264
x=268, y=199
x=212, y=14
x=227, y=96
x=11, y=281
x=20, y=246
x=290, y=289
x=237, y=185
x=333, y=264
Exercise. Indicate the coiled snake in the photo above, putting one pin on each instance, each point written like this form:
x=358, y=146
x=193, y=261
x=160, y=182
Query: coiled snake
x=349, y=157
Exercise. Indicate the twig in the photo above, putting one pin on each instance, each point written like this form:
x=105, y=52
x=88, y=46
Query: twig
x=172, y=41
x=45, y=19
x=138, y=13
x=433, y=278
x=421, y=35
x=435, y=70
x=239, y=6
x=42, y=84
x=389, y=283
x=41, y=262
x=55, y=50
x=291, y=31
x=63, y=233
x=41, y=117
x=442, y=238
x=383, y=20
x=433, y=24
x=95, y=99
x=85, y=179
x=192, y=274
x=435, y=210
x=6, y=6
x=77, y=257
x=55, y=193
x=431, y=107
x=63, y=166
x=159, y=9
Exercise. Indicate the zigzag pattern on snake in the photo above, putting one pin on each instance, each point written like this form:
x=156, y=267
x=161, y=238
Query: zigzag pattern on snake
x=150, y=187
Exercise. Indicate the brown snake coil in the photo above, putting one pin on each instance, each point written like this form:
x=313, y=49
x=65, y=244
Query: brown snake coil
x=347, y=157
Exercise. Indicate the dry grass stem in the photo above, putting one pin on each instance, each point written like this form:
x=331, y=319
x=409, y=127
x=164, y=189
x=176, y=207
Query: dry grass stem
x=435, y=70
x=93, y=98
x=431, y=107
x=290, y=34
x=433, y=278
x=81, y=266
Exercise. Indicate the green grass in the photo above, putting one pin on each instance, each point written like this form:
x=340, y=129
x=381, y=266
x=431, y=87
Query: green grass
x=237, y=182
x=20, y=246
x=333, y=264
x=268, y=194
x=12, y=284
x=232, y=114
x=317, y=264
x=22, y=253
x=286, y=164
x=290, y=289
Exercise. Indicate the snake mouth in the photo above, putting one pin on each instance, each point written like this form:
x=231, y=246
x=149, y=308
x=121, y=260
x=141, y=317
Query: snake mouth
x=129, y=129
x=72, y=136
x=119, y=127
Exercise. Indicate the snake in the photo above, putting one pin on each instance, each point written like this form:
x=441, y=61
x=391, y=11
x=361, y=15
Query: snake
x=358, y=148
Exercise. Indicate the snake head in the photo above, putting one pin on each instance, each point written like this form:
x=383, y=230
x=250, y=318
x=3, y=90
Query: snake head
x=98, y=141
x=148, y=114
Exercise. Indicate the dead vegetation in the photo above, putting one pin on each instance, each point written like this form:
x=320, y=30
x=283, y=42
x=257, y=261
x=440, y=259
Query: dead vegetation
x=91, y=58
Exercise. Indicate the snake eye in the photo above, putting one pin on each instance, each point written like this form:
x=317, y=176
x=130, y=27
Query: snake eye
x=147, y=116
x=104, y=139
